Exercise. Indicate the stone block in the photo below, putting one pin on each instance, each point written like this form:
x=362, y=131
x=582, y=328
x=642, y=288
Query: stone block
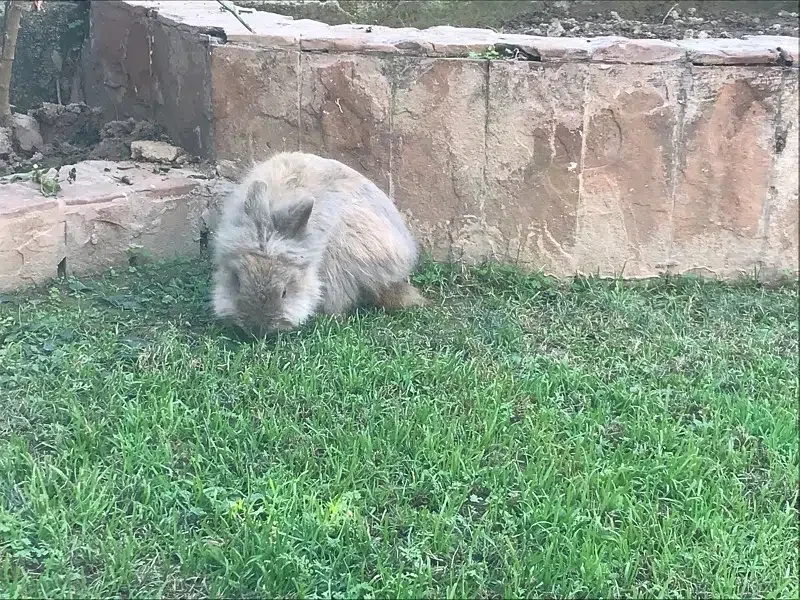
x=100, y=221
x=627, y=51
x=729, y=51
x=782, y=241
x=150, y=151
x=438, y=154
x=31, y=236
x=106, y=221
x=623, y=223
x=256, y=102
x=532, y=169
x=723, y=181
x=345, y=104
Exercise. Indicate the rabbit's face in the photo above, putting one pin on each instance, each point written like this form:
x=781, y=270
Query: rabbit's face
x=263, y=294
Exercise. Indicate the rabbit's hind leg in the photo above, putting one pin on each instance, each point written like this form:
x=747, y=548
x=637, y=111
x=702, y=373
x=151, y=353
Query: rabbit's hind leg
x=400, y=295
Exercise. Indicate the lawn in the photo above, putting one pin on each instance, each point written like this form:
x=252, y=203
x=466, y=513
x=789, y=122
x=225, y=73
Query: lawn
x=520, y=438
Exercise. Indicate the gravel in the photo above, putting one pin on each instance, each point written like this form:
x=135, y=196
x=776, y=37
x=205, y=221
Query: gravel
x=656, y=20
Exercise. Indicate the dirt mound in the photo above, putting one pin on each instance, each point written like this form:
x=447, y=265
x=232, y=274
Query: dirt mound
x=72, y=133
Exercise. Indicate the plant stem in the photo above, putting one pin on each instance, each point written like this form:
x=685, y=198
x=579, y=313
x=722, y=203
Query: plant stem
x=13, y=15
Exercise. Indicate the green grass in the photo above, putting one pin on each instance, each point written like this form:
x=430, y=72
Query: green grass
x=521, y=438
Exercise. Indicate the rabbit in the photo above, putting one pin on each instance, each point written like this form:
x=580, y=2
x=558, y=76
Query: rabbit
x=304, y=235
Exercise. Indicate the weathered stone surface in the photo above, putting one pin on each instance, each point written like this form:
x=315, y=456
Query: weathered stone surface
x=532, y=170
x=781, y=237
x=724, y=176
x=345, y=103
x=439, y=124
x=549, y=49
x=154, y=151
x=458, y=41
x=31, y=237
x=729, y=52
x=256, y=101
x=230, y=170
x=26, y=131
x=277, y=31
x=622, y=50
x=98, y=221
x=628, y=159
x=790, y=46
x=107, y=220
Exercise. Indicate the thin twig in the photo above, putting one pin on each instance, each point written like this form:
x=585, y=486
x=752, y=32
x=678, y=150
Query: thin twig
x=669, y=12
x=232, y=9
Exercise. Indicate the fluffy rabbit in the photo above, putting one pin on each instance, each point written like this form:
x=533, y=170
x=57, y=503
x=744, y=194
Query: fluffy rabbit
x=302, y=235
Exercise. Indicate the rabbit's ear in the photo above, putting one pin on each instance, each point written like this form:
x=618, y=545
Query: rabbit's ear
x=292, y=220
x=256, y=204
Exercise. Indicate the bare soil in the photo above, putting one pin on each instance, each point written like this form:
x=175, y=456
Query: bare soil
x=658, y=20
x=662, y=19
x=76, y=132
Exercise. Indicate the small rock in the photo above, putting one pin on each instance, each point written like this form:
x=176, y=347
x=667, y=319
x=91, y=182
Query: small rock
x=26, y=130
x=555, y=29
x=536, y=31
x=696, y=20
x=6, y=143
x=724, y=34
x=776, y=27
x=703, y=35
x=615, y=15
x=154, y=151
x=37, y=157
x=691, y=10
x=228, y=169
x=688, y=34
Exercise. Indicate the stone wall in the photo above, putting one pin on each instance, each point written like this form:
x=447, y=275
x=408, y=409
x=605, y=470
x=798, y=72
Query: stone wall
x=101, y=221
x=603, y=155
